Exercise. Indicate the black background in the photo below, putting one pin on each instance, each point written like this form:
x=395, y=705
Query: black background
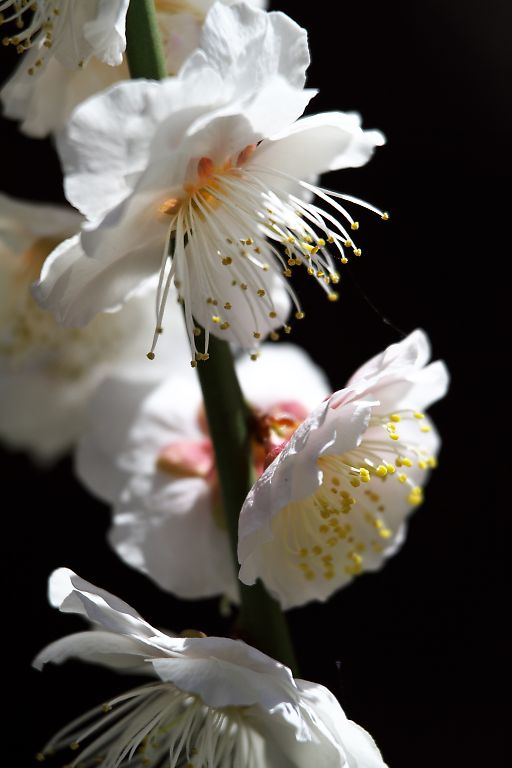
x=409, y=651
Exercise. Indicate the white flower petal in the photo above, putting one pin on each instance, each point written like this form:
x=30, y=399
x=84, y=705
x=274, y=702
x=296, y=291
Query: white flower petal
x=167, y=530
x=98, y=647
x=319, y=143
x=106, y=32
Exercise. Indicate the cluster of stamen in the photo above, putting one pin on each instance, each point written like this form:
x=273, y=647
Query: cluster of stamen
x=341, y=530
x=46, y=20
x=231, y=219
x=157, y=723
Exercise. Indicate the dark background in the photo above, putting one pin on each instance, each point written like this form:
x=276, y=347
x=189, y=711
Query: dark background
x=410, y=651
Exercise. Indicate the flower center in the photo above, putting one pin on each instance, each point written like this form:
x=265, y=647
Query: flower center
x=342, y=529
x=227, y=233
x=159, y=723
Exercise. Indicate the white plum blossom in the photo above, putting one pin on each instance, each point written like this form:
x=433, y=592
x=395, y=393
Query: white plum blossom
x=147, y=451
x=213, y=702
x=333, y=503
x=44, y=96
x=47, y=372
x=204, y=179
x=60, y=40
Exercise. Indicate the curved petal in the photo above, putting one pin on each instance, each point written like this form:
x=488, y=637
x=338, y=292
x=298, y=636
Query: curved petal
x=319, y=143
x=30, y=219
x=98, y=647
x=72, y=594
x=76, y=287
x=165, y=527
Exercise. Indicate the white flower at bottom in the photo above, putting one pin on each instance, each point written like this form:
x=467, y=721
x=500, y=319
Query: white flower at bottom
x=47, y=372
x=216, y=702
x=334, y=501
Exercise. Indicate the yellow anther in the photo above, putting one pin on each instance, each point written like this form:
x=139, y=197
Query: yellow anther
x=335, y=278
x=425, y=428
x=357, y=251
x=354, y=225
x=320, y=273
x=227, y=305
x=227, y=260
x=307, y=239
x=300, y=315
x=323, y=528
x=432, y=462
x=422, y=464
x=391, y=469
x=395, y=417
x=287, y=328
x=224, y=326
x=355, y=557
x=385, y=216
x=316, y=550
x=344, y=260
x=385, y=533
x=243, y=286
x=332, y=541
x=330, y=239
x=256, y=335
x=335, y=481
x=348, y=243
x=364, y=475
x=329, y=574
x=333, y=296
x=260, y=292
x=272, y=314
x=402, y=477
x=150, y=355
x=40, y=756
x=106, y=708
x=407, y=462
x=196, y=331
x=419, y=415
x=355, y=483
x=215, y=319
x=311, y=271
x=255, y=355
x=274, y=336
x=381, y=470
x=394, y=436
x=74, y=745
x=193, y=363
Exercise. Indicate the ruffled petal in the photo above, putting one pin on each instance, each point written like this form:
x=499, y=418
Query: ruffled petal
x=106, y=32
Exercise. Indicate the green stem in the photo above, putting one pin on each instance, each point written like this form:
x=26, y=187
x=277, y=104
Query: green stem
x=260, y=620
x=143, y=43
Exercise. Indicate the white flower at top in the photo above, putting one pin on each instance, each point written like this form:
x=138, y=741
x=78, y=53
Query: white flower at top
x=43, y=95
x=333, y=503
x=58, y=38
x=205, y=180
x=213, y=703
x=147, y=451
x=48, y=373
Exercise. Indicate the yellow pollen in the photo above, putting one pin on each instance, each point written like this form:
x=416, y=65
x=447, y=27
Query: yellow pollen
x=227, y=305
x=394, y=436
x=364, y=475
x=391, y=468
x=260, y=292
x=274, y=336
x=300, y=315
x=243, y=286
x=395, y=417
x=272, y=314
x=150, y=355
x=193, y=363
x=402, y=477
x=224, y=326
x=355, y=483
x=348, y=243
x=406, y=462
x=333, y=296
x=425, y=428
x=227, y=260
x=320, y=242
x=255, y=355
x=357, y=251
x=215, y=319
x=419, y=415
x=256, y=335
x=381, y=470
x=385, y=533
x=354, y=225
x=385, y=216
